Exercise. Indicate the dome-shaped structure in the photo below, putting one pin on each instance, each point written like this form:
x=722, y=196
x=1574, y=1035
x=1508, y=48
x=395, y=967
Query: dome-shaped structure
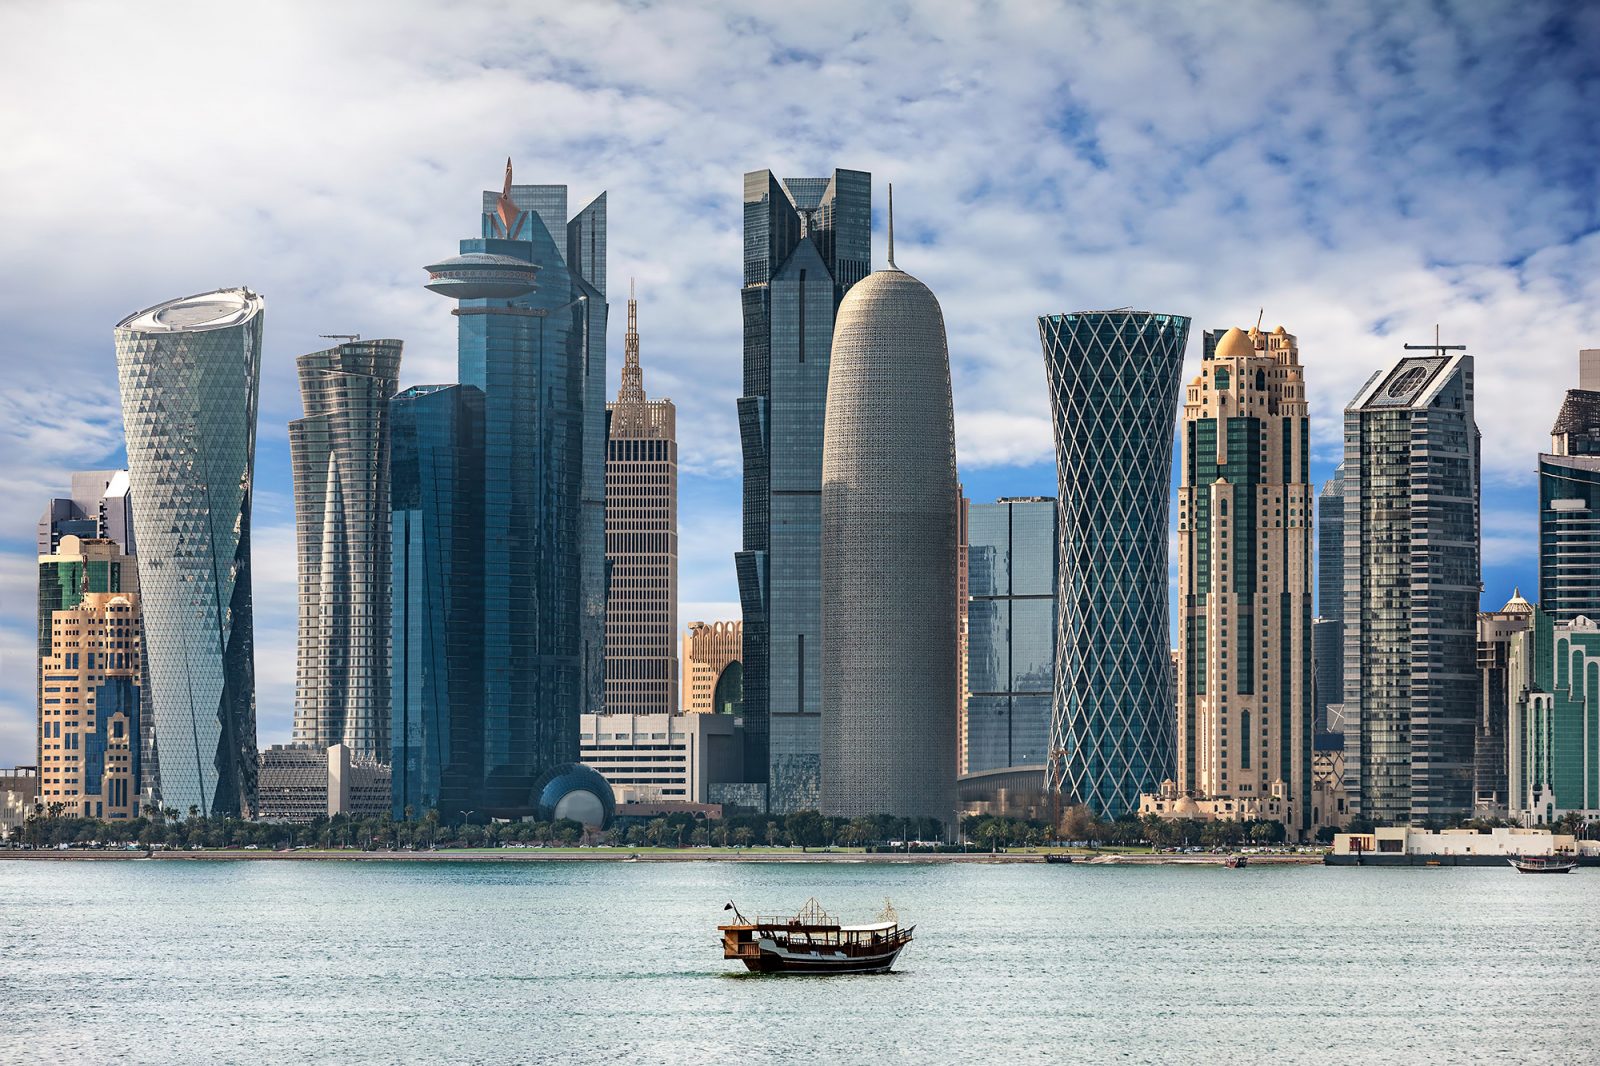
x=888, y=555
x=1186, y=807
x=1516, y=604
x=1234, y=343
x=574, y=791
x=482, y=276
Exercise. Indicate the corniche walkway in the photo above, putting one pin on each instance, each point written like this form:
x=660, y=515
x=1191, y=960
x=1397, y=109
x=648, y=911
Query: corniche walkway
x=621, y=855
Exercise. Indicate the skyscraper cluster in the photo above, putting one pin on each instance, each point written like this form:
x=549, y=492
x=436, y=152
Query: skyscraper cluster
x=488, y=567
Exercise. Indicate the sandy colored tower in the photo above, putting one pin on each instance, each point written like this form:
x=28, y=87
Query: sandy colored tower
x=1244, y=566
x=641, y=544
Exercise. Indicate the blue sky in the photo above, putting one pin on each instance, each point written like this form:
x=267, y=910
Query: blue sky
x=1361, y=171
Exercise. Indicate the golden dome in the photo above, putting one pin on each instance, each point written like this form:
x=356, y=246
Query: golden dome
x=1234, y=343
x=1186, y=807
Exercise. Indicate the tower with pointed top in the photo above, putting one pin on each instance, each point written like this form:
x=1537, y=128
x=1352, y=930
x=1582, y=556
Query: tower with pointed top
x=807, y=241
x=1244, y=573
x=641, y=667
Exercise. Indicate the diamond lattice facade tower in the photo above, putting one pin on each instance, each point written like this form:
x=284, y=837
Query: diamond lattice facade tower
x=806, y=242
x=890, y=507
x=190, y=374
x=1569, y=502
x=340, y=456
x=1244, y=579
x=1411, y=591
x=1113, y=378
x=641, y=544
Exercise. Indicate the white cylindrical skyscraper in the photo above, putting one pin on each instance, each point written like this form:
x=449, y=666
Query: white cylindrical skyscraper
x=889, y=670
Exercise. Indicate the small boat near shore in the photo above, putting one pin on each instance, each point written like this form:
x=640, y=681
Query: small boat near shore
x=1544, y=864
x=814, y=941
x=1053, y=857
x=1236, y=862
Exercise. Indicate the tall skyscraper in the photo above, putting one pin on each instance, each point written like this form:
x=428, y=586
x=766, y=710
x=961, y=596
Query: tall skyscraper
x=190, y=374
x=641, y=500
x=340, y=457
x=532, y=336
x=1555, y=717
x=437, y=519
x=1113, y=379
x=1411, y=590
x=1011, y=632
x=99, y=507
x=806, y=242
x=1569, y=502
x=1497, y=632
x=1244, y=577
x=1327, y=629
x=90, y=679
x=713, y=668
x=890, y=507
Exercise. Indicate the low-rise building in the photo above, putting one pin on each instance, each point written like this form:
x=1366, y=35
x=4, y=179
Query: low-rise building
x=1171, y=803
x=19, y=788
x=299, y=783
x=1404, y=845
x=649, y=758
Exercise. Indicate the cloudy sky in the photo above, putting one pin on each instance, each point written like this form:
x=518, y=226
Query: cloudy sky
x=1361, y=171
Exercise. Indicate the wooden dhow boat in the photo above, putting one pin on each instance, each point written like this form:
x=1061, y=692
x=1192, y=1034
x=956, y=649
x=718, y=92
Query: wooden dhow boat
x=813, y=941
x=1543, y=864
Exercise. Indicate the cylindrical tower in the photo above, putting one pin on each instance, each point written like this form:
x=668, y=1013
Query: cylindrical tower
x=1113, y=379
x=889, y=671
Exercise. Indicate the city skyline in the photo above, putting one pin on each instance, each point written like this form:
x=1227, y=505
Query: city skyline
x=1073, y=240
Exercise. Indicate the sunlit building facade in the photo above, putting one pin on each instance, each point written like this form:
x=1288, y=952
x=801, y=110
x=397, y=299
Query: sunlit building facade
x=190, y=374
x=1113, y=378
x=1569, y=501
x=713, y=668
x=807, y=241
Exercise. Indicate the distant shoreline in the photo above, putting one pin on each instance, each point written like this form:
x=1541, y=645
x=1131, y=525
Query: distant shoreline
x=621, y=856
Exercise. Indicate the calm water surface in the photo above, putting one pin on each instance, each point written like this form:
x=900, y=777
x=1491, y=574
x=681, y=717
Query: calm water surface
x=263, y=962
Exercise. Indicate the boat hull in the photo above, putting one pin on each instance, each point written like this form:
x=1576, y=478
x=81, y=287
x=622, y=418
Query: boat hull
x=774, y=958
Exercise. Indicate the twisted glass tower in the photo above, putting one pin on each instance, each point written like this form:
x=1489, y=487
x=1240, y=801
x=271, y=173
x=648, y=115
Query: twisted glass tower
x=340, y=455
x=190, y=373
x=1113, y=379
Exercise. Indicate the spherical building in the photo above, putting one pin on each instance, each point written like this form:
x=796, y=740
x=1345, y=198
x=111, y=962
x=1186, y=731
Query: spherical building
x=576, y=791
x=889, y=499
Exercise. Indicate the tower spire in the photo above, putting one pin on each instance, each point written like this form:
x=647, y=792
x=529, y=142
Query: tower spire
x=891, y=226
x=632, y=390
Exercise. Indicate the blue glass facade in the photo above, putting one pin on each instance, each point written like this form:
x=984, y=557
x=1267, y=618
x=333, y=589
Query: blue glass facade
x=1113, y=378
x=806, y=242
x=531, y=335
x=1011, y=632
x=1569, y=509
x=437, y=519
x=1328, y=630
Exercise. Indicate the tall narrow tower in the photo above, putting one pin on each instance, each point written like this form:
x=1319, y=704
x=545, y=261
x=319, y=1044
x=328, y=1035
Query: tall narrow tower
x=1244, y=573
x=340, y=456
x=641, y=543
x=890, y=507
x=806, y=242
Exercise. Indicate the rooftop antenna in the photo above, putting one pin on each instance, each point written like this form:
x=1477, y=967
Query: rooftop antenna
x=891, y=226
x=1436, y=346
x=340, y=336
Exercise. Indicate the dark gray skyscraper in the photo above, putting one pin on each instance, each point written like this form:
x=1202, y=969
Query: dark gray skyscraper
x=1411, y=591
x=806, y=242
x=190, y=373
x=1569, y=502
x=1327, y=632
x=340, y=456
x=1113, y=379
x=889, y=513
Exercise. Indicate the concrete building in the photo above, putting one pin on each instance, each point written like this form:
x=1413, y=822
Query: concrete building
x=1011, y=647
x=190, y=375
x=1553, y=735
x=641, y=543
x=713, y=668
x=890, y=508
x=1490, y=773
x=806, y=242
x=91, y=674
x=1113, y=378
x=19, y=788
x=1244, y=574
x=1569, y=501
x=300, y=783
x=1408, y=846
x=339, y=453
x=650, y=758
x=1411, y=590
x=99, y=507
x=1327, y=629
